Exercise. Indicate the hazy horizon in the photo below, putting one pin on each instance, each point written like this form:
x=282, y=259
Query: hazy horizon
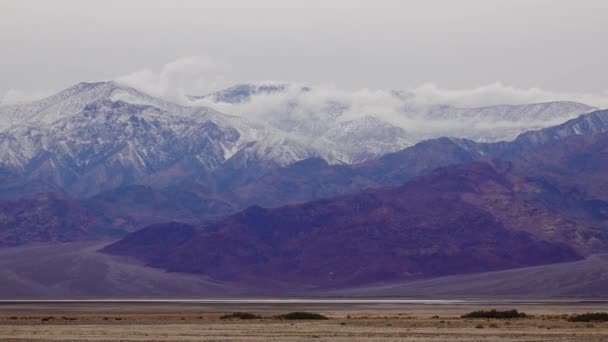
x=490, y=51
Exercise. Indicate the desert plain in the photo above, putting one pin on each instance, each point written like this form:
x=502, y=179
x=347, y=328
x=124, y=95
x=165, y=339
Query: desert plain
x=349, y=320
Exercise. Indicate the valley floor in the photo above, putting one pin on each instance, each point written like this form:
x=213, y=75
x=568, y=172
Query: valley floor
x=379, y=321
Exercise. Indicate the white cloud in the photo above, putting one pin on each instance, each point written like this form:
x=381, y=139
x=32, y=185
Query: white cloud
x=498, y=93
x=386, y=104
x=177, y=79
x=409, y=109
x=14, y=96
x=198, y=75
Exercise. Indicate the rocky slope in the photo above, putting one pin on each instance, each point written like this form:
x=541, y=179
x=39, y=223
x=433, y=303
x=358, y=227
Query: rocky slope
x=425, y=228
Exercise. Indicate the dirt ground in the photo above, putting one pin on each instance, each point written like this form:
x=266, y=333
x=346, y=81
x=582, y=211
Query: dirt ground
x=138, y=321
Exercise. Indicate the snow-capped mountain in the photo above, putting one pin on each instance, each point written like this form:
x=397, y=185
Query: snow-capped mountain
x=99, y=136
x=361, y=130
x=72, y=101
x=96, y=136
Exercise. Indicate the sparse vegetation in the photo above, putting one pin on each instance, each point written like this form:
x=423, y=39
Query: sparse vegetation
x=240, y=315
x=301, y=315
x=589, y=317
x=495, y=314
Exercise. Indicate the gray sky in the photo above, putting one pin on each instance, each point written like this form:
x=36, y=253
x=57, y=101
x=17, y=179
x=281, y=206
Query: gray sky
x=558, y=46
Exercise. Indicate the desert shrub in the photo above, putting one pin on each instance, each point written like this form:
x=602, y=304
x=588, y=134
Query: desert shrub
x=495, y=314
x=302, y=315
x=240, y=315
x=589, y=316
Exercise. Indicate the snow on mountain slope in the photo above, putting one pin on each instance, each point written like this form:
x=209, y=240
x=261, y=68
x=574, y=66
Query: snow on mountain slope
x=368, y=137
x=70, y=102
x=112, y=143
x=588, y=124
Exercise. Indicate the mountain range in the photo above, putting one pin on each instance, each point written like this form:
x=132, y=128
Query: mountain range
x=100, y=136
x=463, y=218
x=258, y=185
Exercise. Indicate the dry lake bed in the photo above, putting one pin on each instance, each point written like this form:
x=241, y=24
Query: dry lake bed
x=349, y=320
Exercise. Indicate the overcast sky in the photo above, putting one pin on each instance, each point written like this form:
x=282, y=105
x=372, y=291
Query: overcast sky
x=557, y=46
